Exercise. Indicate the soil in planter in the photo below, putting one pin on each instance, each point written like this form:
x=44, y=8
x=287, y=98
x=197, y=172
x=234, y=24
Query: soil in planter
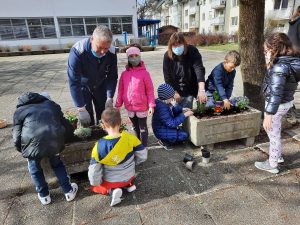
x=210, y=112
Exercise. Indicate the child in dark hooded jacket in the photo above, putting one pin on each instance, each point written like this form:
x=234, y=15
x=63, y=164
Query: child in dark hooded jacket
x=39, y=131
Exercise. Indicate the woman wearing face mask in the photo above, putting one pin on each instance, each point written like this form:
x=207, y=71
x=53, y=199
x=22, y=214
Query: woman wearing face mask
x=136, y=91
x=279, y=85
x=183, y=70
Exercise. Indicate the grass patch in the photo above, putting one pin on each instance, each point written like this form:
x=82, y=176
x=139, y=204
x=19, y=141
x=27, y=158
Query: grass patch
x=220, y=47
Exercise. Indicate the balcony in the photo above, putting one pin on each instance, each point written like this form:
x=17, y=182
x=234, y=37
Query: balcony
x=218, y=4
x=194, y=24
x=219, y=20
x=192, y=10
x=280, y=14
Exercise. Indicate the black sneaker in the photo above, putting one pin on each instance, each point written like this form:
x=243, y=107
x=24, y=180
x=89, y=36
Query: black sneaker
x=165, y=145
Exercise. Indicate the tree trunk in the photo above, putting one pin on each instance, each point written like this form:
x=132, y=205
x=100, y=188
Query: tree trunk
x=251, y=38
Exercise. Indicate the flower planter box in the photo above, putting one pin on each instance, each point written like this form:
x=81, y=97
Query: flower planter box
x=208, y=131
x=76, y=156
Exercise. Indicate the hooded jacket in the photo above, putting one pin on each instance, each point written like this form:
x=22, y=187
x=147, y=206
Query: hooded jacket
x=135, y=89
x=281, y=82
x=38, y=126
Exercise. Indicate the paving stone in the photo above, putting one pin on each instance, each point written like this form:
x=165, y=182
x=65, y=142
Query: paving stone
x=156, y=185
x=187, y=211
x=281, y=189
x=248, y=208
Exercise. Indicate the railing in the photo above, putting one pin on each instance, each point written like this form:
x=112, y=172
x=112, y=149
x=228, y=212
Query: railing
x=218, y=4
x=192, y=10
x=280, y=14
x=219, y=20
x=194, y=24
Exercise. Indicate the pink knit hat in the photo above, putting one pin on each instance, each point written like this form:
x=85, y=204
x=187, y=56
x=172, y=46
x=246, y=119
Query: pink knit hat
x=133, y=51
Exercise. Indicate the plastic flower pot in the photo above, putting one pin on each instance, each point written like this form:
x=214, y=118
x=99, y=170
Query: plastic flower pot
x=205, y=156
x=187, y=158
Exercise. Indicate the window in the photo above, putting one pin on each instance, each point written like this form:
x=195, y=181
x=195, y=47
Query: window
x=281, y=4
x=204, y=2
x=186, y=12
x=186, y=26
x=203, y=16
x=25, y=28
x=234, y=21
x=71, y=27
x=235, y=3
x=284, y=4
x=79, y=26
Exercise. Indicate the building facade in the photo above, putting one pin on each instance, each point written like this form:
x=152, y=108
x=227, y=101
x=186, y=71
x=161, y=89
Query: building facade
x=217, y=16
x=56, y=23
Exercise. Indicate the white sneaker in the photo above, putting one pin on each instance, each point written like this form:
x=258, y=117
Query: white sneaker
x=72, y=194
x=266, y=166
x=132, y=188
x=45, y=200
x=280, y=159
x=116, y=196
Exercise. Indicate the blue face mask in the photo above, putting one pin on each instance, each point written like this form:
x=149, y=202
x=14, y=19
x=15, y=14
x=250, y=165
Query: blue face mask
x=178, y=50
x=95, y=54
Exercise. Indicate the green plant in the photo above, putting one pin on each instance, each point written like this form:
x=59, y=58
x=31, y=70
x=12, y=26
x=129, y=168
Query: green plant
x=241, y=102
x=200, y=108
x=216, y=96
x=72, y=117
x=83, y=132
x=123, y=127
x=69, y=45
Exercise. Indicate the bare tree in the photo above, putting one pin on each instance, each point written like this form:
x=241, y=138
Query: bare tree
x=145, y=6
x=251, y=38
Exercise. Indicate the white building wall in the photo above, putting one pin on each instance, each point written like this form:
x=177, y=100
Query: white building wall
x=206, y=13
x=65, y=8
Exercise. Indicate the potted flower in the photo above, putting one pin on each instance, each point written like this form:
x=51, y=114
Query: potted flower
x=219, y=103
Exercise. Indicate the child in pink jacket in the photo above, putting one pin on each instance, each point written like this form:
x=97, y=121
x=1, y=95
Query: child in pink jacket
x=136, y=91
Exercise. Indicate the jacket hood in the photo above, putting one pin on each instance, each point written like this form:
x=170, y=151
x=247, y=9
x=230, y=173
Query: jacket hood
x=30, y=98
x=292, y=60
x=294, y=21
x=137, y=68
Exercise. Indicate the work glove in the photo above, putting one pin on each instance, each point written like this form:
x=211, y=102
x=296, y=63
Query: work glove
x=109, y=103
x=84, y=117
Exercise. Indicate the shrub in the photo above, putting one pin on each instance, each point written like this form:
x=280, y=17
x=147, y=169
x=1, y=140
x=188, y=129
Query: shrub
x=44, y=47
x=69, y=45
x=25, y=48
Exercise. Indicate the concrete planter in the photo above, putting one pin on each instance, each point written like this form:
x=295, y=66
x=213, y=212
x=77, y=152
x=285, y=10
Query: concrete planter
x=245, y=125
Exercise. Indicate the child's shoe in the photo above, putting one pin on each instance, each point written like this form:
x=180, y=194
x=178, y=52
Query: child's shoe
x=131, y=188
x=280, y=159
x=45, y=200
x=116, y=195
x=72, y=194
x=165, y=145
x=266, y=166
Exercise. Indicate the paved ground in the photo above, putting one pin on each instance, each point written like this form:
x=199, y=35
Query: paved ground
x=227, y=191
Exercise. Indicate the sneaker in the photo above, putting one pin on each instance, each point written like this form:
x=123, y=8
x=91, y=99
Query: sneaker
x=72, y=194
x=131, y=188
x=116, y=195
x=280, y=159
x=165, y=145
x=266, y=166
x=45, y=200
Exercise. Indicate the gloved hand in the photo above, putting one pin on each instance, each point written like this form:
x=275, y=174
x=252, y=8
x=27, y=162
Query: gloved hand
x=109, y=103
x=84, y=117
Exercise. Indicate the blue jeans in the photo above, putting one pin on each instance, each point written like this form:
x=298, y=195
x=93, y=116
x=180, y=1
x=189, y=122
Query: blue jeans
x=187, y=102
x=38, y=178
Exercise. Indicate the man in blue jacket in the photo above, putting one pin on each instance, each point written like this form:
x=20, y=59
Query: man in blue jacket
x=93, y=74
